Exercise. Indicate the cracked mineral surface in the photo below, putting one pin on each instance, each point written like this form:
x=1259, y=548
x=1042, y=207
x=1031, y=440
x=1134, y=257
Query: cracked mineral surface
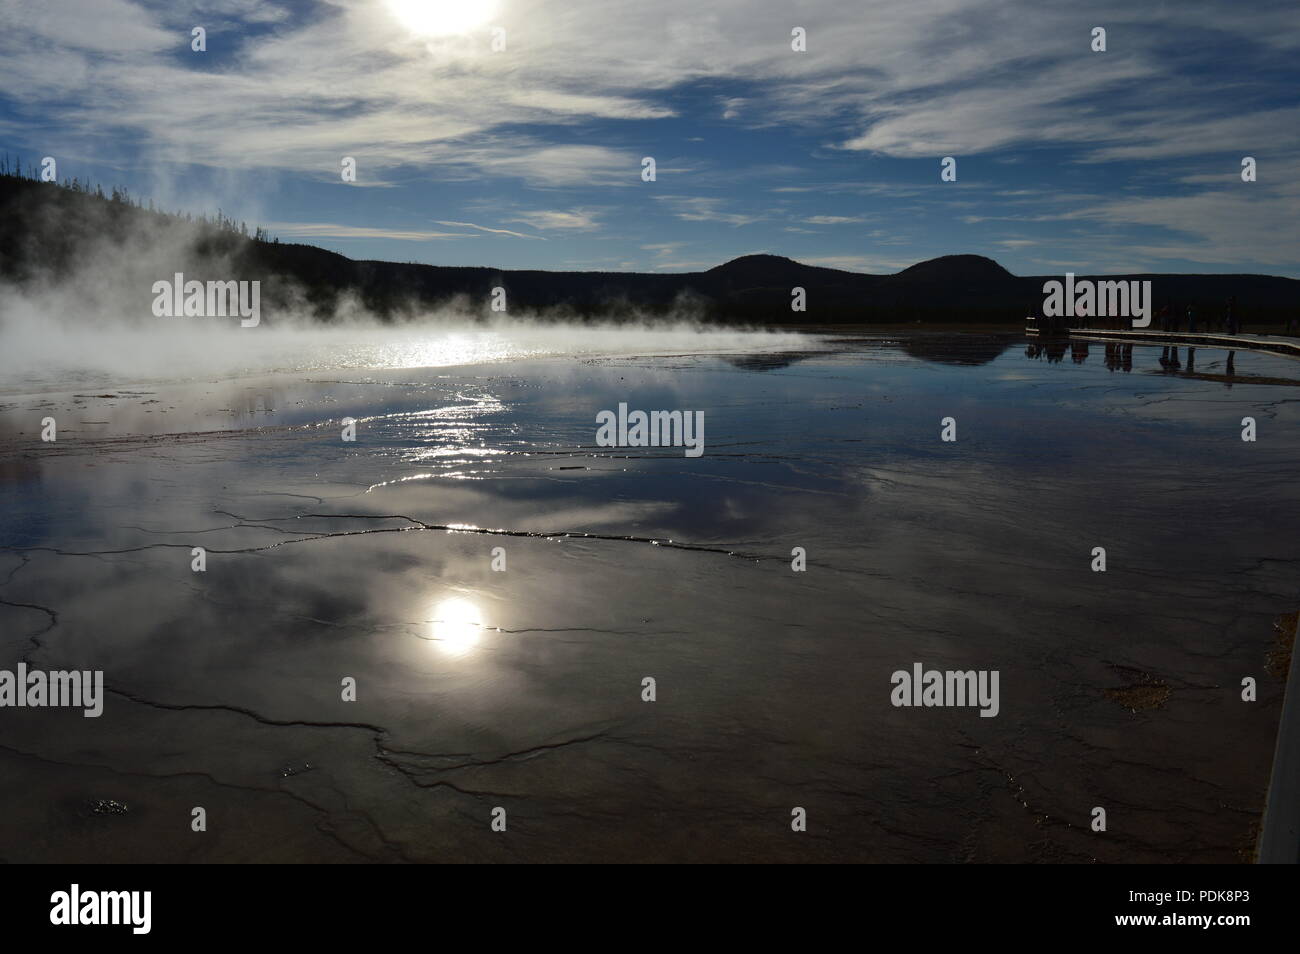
x=372, y=560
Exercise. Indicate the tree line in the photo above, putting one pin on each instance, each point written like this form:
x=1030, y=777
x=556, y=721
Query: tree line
x=120, y=195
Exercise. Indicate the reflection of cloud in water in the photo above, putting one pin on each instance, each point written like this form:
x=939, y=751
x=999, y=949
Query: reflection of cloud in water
x=322, y=564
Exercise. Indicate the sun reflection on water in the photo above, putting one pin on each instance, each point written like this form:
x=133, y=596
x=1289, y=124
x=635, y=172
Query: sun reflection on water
x=457, y=626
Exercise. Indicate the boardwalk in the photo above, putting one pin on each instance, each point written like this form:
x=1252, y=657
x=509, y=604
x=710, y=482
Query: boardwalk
x=1276, y=344
x=1279, y=841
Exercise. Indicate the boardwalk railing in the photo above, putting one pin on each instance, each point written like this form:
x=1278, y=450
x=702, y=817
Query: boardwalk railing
x=1276, y=344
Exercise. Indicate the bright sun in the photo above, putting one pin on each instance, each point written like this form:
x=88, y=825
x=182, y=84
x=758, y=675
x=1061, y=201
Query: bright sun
x=457, y=626
x=442, y=17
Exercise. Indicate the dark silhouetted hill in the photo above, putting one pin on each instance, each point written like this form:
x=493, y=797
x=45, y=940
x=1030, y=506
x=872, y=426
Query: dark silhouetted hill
x=51, y=233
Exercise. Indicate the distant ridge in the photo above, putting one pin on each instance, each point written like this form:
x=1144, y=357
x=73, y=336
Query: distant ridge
x=751, y=269
x=956, y=268
x=50, y=232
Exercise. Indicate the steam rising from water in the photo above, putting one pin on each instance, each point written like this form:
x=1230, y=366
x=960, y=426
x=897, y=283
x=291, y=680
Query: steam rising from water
x=95, y=328
x=40, y=354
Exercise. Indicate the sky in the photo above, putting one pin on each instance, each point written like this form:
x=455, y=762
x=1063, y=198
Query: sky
x=531, y=155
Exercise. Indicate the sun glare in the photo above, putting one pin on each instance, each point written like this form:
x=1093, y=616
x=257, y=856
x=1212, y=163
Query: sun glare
x=442, y=17
x=457, y=625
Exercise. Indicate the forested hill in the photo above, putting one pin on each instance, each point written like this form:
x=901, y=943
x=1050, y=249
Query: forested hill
x=51, y=233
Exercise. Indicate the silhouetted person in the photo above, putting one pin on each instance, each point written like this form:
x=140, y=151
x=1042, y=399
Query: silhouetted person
x=1191, y=320
x=1231, y=317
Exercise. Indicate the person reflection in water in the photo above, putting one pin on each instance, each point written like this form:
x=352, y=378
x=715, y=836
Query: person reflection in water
x=1191, y=360
x=1231, y=368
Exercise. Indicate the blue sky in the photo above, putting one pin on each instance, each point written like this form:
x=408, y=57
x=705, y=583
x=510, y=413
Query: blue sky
x=530, y=157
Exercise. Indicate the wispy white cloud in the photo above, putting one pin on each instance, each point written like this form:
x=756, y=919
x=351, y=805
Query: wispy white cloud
x=484, y=228
x=732, y=106
x=574, y=220
x=1215, y=226
x=944, y=77
x=707, y=209
x=103, y=26
x=331, y=230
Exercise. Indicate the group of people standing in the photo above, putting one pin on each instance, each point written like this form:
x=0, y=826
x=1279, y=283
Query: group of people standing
x=1174, y=317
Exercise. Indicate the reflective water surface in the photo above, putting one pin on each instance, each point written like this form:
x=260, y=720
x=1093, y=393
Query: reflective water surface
x=522, y=686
